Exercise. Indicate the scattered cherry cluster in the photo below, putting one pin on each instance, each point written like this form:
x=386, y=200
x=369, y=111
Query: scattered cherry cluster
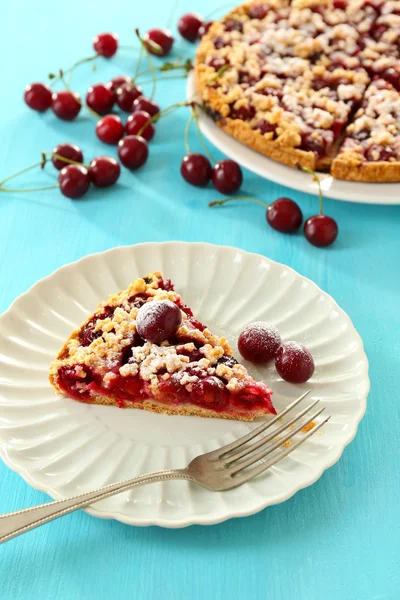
x=132, y=137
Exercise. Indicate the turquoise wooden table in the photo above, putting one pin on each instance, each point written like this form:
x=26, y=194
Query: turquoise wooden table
x=340, y=538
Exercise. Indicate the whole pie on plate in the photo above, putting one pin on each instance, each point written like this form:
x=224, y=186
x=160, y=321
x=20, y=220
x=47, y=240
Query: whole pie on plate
x=187, y=372
x=292, y=79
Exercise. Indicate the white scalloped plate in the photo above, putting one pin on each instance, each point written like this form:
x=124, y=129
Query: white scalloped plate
x=368, y=193
x=63, y=447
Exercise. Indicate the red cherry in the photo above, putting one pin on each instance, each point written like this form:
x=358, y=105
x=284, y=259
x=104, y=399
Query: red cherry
x=74, y=181
x=110, y=129
x=106, y=44
x=284, y=215
x=70, y=151
x=258, y=11
x=157, y=321
x=100, y=99
x=294, y=362
x=133, y=151
x=104, y=171
x=66, y=105
x=196, y=169
x=146, y=104
x=203, y=29
x=162, y=41
x=321, y=230
x=117, y=81
x=189, y=25
x=38, y=96
x=259, y=342
x=126, y=94
x=210, y=392
x=227, y=176
x=136, y=121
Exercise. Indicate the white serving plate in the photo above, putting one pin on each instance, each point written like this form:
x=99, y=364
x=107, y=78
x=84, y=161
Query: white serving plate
x=63, y=447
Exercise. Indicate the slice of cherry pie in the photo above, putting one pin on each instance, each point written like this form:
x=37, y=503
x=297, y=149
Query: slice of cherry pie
x=143, y=348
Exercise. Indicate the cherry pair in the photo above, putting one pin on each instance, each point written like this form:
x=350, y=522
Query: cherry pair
x=226, y=175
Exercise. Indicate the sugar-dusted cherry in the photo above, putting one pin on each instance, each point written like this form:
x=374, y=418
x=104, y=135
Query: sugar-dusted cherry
x=38, y=96
x=284, y=215
x=117, y=81
x=66, y=105
x=110, y=129
x=259, y=342
x=227, y=176
x=106, y=44
x=133, y=151
x=321, y=230
x=157, y=321
x=158, y=41
x=104, y=171
x=100, y=98
x=196, y=169
x=126, y=94
x=189, y=25
x=74, y=181
x=66, y=150
x=294, y=362
x=146, y=104
x=138, y=123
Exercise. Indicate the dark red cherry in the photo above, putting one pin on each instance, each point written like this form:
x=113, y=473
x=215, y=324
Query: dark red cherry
x=135, y=123
x=189, y=25
x=106, y=44
x=233, y=25
x=74, y=181
x=321, y=230
x=259, y=342
x=284, y=215
x=100, y=98
x=126, y=94
x=71, y=151
x=104, y=171
x=161, y=39
x=203, y=29
x=66, y=105
x=133, y=151
x=110, y=129
x=38, y=96
x=258, y=11
x=117, y=81
x=146, y=104
x=157, y=321
x=244, y=113
x=294, y=362
x=227, y=176
x=196, y=169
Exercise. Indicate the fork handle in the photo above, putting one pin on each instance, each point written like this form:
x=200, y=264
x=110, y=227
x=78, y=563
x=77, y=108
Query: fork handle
x=16, y=523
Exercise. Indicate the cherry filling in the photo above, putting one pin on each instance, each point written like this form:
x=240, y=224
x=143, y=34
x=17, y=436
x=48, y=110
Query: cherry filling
x=217, y=62
x=245, y=113
x=219, y=42
x=310, y=144
x=258, y=11
x=377, y=153
x=72, y=384
x=233, y=25
x=87, y=334
x=265, y=127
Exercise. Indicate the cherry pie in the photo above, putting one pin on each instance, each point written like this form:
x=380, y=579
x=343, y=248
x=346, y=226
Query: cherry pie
x=106, y=361
x=289, y=79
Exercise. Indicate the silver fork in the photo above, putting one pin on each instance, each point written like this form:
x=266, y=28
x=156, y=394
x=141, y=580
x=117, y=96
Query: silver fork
x=219, y=470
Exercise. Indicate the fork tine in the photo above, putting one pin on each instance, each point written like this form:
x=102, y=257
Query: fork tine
x=267, y=438
x=220, y=452
x=243, y=464
x=247, y=475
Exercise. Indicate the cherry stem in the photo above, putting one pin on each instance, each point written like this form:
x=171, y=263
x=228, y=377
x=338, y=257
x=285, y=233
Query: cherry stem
x=171, y=13
x=123, y=47
x=164, y=78
x=138, y=63
x=200, y=136
x=151, y=66
x=38, y=164
x=318, y=182
x=186, y=135
x=221, y=202
x=217, y=74
x=56, y=78
x=69, y=161
x=39, y=189
x=161, y=114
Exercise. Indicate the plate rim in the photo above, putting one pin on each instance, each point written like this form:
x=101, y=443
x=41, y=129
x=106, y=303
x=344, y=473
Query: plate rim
x=357, y=194
x=193, y=520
